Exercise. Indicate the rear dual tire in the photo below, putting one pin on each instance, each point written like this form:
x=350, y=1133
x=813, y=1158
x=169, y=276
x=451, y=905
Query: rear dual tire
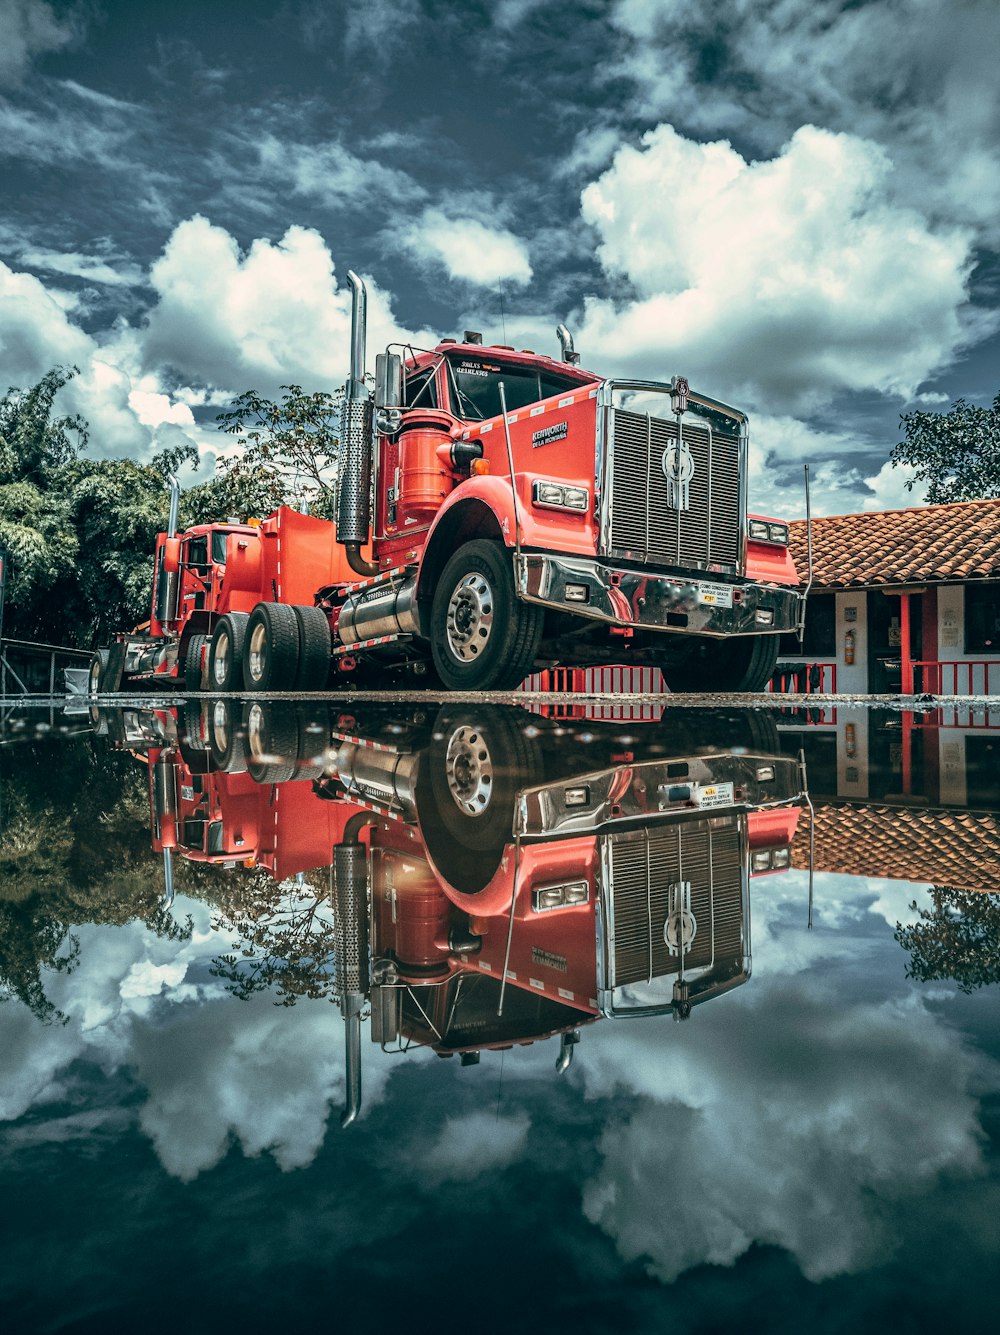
x=225, y=656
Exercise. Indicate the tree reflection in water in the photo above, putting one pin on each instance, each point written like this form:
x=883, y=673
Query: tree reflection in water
x=959, y=938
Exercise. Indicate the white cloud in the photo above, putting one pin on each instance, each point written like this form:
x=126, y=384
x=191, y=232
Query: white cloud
x=35, y=331
x=781, y=282
x=153, y=409
x=796, y=1124
x=914, y=75
x=469, y=250
x=890, y=491
x=274, y=315
x=467, y=1147
x=214, y=1073
x=335, y=175
x=126, y=412
x=92, y=268
x=30, y=28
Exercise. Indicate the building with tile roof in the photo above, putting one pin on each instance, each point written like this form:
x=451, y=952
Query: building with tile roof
x=904, y=600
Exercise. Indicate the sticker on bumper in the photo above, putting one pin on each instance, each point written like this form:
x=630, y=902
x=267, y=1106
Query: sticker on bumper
x=714, y=795
x=718, y=595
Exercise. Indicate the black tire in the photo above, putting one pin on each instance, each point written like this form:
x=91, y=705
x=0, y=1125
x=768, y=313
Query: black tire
x=194, y=663
x=314, y=649
x=227, y=736
x=313, y=724
x=272, y=738
x=225, y=655
x=271, y=649
x=482, y=636
x=470, y=775
x=197, y=725
x=741, y=663
x=98, y=668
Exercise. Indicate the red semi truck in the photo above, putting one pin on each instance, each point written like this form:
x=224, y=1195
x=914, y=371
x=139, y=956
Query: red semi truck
x=526, y=513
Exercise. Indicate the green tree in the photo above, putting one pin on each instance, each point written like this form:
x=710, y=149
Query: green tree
x=291, y=450
x=956, y=453
x=35, y=523
x=958, y=938
x=32, y=443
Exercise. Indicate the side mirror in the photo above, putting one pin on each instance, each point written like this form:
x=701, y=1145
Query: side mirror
x=171, y=555
x=388, y=380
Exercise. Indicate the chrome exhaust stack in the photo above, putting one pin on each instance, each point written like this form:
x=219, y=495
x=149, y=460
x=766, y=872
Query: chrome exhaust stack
x=167, y=586
x=350, y=895
x=175, y=503
x=569, y=354
x=356, y=442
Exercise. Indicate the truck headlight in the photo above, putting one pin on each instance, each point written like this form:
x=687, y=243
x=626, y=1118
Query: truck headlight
x=547, y=897
x=762, y=531
x=560, y=496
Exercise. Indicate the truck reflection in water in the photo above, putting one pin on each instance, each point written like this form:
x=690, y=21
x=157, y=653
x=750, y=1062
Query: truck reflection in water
x=491, y=878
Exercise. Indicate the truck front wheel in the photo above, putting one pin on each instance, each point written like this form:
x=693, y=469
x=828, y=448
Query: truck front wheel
x=271, y=648
x=225, y=653
x=482, y=636
x=742, y=663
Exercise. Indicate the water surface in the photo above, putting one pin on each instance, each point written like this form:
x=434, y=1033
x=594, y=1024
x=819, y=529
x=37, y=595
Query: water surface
x=558, y=977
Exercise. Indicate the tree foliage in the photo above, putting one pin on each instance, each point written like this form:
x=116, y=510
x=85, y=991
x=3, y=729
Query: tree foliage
x=286, y=937
x=956, y=453
x=291, y=448
x=32, y=443
x=80, y=532
x=958, y=938
x=74, y=849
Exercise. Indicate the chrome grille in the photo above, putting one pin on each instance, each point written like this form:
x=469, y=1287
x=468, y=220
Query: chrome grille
x=643, y=526
x=644, y=864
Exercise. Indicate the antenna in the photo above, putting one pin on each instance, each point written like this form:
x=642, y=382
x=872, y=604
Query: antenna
x=503, y=322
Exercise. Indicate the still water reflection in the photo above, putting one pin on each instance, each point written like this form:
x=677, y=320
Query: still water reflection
x=230, y=932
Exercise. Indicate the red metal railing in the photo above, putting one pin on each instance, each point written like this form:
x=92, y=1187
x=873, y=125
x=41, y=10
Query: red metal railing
x=972, y=677
x=617, y=681
x=805, y=679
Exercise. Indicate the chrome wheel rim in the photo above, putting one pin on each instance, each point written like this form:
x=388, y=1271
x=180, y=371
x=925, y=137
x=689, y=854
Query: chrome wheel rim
x=255, y=731
x=220, y=659
x=220, y=726
x=469, y=771
x=469, y=621
x=258, y=650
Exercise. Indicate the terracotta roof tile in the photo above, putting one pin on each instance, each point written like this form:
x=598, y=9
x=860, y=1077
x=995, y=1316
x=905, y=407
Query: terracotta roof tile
x=890, y=547
x=937, y=845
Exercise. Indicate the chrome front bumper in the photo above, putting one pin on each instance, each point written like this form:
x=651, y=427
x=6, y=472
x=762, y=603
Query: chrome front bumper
x=622, y=597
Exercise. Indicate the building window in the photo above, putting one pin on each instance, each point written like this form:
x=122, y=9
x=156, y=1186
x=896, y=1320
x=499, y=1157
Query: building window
x=982, y=618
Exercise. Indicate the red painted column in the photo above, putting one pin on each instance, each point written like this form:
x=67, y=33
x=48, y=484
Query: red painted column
x=905, y=657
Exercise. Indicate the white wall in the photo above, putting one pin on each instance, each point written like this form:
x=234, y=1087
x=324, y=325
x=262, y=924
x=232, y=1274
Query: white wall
x=854, y=678
x=852, y=753
x=951, y=648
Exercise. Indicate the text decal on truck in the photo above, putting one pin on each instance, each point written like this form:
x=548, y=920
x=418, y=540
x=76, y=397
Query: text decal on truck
x=558, y=431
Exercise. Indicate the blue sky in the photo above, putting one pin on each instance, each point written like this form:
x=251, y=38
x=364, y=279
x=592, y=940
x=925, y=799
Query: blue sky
x=794, y=204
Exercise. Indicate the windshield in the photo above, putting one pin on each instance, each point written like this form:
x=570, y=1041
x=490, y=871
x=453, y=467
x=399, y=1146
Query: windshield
x=476, y=382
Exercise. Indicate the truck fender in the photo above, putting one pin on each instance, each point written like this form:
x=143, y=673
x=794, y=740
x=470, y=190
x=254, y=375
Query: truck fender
x=481, y=508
